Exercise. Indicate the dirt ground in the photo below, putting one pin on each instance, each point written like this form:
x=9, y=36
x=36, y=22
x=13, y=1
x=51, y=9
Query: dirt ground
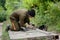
x=0, y=30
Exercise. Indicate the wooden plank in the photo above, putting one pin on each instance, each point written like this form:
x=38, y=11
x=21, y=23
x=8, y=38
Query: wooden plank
x=29, y=34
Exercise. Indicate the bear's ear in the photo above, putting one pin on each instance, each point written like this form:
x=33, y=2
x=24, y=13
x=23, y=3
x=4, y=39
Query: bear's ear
x=34, y=6
x=31, y=12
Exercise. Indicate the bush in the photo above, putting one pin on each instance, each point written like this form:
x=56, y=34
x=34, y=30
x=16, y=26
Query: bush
x=2, y=16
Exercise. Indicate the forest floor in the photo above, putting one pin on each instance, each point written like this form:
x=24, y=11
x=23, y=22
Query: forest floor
x=5, y=34
x=0, y=31
x=59, y=37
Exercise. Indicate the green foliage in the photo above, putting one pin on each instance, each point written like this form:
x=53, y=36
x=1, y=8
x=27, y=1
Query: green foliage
x=2, y=16
x=47, y=12
x=2, y=3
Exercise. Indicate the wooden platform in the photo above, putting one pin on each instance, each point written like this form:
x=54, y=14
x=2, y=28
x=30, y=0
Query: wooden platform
x=32, y=35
